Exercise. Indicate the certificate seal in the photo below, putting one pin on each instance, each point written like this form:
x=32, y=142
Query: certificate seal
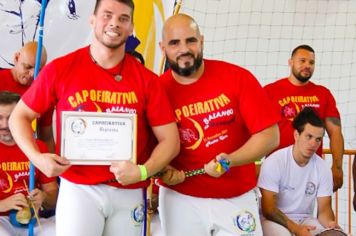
x=78, y=126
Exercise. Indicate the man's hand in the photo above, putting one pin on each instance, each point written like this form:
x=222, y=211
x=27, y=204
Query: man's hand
x=37, y=197
x=17, y=202
x=332, y=225
x=338, y=177
x=304, y=230
x=172, y=176
x=214, y=168
x=126, y=172
x=52, y=165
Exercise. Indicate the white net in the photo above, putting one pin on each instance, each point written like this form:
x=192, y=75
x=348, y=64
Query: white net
x=260, y=35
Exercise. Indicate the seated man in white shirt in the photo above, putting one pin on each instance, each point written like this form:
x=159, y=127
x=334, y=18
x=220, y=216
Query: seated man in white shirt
x=292, y=178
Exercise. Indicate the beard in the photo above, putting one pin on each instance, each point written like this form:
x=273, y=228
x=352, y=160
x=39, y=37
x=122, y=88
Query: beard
x=300, y=77
x=6, y=138
x=188, y=69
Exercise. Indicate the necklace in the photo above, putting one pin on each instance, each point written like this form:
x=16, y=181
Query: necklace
x=117, y=76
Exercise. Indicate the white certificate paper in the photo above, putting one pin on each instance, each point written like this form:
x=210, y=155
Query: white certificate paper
x=95, y=138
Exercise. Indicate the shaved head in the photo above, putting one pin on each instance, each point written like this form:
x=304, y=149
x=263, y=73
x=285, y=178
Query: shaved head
x=25, y=61
x=30, y=50
x=181, y=20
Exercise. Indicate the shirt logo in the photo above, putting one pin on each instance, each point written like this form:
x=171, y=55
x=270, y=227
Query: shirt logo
x=246, y=222
x=310, y=189
x=137, y=215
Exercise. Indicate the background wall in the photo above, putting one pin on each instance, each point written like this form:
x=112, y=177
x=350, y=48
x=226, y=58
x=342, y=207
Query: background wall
x=260, y=35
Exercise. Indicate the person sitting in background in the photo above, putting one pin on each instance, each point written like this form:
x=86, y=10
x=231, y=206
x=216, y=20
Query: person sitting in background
x=292, y=178
x=19, y=78
x=14, y=177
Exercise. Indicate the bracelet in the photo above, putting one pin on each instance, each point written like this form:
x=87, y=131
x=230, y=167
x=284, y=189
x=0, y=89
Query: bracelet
x=143, y=172
x=223, y=164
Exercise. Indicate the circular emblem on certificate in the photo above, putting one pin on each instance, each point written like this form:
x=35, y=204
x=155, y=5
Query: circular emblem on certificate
x=78, y=126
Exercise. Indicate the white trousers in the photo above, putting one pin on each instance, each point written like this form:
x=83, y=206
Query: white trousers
x=186, y=215
x=47, y=228
x=98, y=210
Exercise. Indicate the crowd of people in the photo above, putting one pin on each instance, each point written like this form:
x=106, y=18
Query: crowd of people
x=201, y=126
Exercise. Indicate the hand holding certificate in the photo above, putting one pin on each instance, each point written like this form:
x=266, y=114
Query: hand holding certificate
x=92, y=138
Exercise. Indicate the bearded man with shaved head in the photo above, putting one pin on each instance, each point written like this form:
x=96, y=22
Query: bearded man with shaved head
x=225, y=123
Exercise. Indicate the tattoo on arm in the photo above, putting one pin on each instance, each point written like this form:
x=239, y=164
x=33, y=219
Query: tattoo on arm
x=334, y=120
x=278, y=216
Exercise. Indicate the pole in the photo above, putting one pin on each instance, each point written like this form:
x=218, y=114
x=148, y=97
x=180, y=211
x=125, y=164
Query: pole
x=37, y=68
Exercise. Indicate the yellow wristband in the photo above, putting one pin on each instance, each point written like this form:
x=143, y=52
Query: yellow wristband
x=143, y=172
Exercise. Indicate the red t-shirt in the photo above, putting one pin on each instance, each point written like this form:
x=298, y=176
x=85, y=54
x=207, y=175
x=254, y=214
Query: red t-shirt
x=218, y=113
x=7, y=83
x=75, y=83
x=15, y=168
x=289, y=100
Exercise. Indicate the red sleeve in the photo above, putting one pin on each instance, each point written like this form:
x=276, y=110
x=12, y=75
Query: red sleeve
x=331, y=109
x=271, y=96
x=256, y=108
x=159, y=110
x=40, y=97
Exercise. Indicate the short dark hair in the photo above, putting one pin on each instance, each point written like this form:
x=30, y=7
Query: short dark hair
x=129, y=3
x=7, y=98
x=307, y=116
x=305, y=47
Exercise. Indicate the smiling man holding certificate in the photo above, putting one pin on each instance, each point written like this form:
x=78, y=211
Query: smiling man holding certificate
x=109, y=108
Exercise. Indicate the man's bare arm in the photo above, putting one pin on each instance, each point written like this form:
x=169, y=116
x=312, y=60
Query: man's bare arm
x=167, y=148
x=326, y=215
x=21, y=129
x=259, y=145
x=273, y=213
x=333, y=128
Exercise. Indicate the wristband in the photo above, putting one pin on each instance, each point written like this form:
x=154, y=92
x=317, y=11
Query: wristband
x=223, y=164
x=143, y=172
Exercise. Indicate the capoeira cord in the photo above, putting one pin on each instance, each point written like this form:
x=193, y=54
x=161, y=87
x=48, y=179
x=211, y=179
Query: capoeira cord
x=222, y=164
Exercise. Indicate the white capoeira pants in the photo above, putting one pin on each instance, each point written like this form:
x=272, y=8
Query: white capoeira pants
x=47, y=228
x=93, y=210
x=186, y=215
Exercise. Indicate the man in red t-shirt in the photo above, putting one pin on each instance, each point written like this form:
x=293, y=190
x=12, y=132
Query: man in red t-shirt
x=101, y=78
x=290, y=95
x=223, y=116
x=14, y=173
x=19, y=78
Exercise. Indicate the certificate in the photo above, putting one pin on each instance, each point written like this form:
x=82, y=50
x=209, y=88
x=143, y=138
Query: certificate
x=95, y=138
